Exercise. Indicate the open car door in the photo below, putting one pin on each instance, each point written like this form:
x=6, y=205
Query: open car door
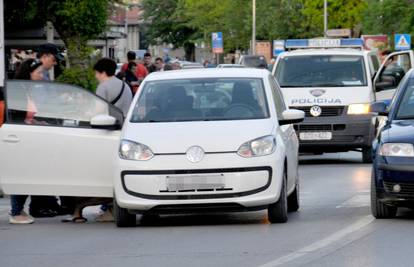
x=49, y=146
x=391, y=72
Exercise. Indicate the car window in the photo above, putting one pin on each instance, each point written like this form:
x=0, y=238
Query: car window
x=395, y=68
x=277, y=97
x=406, y=108
x=321, y=71
x=201, y=100
x=54, y=104
x=375, y=63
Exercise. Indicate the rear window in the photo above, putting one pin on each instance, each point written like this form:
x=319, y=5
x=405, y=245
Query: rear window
x=321, y=71
x=201, y=100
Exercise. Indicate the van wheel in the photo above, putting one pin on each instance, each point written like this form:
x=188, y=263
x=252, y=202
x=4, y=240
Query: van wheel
x=277, y=212
x=367, y=155
x=293, y=200
x=380, y=210
x=122, y=217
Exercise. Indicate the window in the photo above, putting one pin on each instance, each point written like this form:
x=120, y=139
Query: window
x=321, y=71
x=375, y=63
x=406, y=107
x=54, y=104
x=395, y=68
x=277, y=97
x=207, y=99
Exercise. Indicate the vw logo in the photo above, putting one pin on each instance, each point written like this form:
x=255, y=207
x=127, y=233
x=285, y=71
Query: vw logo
x=317, y=92
x=195, y=154
x=316, y=111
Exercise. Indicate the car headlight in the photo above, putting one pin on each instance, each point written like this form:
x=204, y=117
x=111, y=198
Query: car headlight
x=358, y=109
x=134, y=151
x=259, y=147
x=397, y=150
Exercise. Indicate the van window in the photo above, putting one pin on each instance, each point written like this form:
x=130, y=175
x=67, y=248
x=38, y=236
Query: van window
x=375, y=63
x=196, y=99
x=321, y=71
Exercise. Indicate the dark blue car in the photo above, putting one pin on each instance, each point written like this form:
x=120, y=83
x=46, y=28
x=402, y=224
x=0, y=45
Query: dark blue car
x=392, y=183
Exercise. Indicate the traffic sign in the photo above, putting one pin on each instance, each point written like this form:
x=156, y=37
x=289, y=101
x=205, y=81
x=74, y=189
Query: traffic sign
x=217, y=40
x=278, y=47
x=402, y=41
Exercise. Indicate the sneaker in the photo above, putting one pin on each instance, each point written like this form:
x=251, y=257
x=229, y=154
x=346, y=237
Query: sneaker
x=23, y=218
x=105, y=217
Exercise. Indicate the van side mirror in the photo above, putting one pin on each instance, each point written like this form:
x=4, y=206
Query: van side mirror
x=388, y=82
x=380, y=107
x=291, y=116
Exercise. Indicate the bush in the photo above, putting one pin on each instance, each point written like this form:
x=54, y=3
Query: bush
x=80, y=77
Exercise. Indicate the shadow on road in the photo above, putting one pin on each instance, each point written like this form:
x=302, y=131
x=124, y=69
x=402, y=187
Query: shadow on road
x=331, y=158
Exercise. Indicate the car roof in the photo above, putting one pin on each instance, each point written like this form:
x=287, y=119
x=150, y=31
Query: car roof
x=337, y=51
x=209, y=73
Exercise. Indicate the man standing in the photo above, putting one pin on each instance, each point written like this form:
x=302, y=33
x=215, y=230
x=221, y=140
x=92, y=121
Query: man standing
x=159, y=64
x=141, y=71
x=111, y=88
x=148, y=63
x=48, y=55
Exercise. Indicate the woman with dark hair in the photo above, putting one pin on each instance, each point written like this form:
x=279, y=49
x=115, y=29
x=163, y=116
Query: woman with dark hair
x=28, y=70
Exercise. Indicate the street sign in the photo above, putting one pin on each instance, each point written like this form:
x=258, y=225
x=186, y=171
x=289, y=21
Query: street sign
x=339, y=33
x=217, y=40
x=402, y=41
x=278, y=47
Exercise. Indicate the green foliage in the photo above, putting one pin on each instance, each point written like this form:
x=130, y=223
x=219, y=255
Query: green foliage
x=79, y=76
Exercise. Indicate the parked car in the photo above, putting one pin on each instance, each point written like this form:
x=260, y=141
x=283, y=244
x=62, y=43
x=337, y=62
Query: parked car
x=392, y=184
x=210, y=140
x=253, y=61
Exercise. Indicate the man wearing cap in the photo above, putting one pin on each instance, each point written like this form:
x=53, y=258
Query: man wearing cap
x=48, y=54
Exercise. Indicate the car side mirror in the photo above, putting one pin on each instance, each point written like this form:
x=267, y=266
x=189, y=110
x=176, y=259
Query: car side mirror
x=381, y=108
x=388, y=82
x=291, y=116
x=104, y=122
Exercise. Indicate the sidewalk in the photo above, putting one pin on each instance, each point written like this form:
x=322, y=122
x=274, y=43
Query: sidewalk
x=4, y=207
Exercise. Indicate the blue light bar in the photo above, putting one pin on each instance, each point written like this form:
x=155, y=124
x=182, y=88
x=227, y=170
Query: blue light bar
x=324, y=43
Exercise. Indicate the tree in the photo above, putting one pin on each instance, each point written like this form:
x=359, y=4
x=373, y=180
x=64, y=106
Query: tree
x=165, y=24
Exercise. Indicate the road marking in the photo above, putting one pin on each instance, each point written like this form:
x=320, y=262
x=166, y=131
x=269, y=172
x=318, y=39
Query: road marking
x=357, y=201
x=335, y=237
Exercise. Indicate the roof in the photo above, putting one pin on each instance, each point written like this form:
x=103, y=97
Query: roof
x=336, y=51
x=208, y=73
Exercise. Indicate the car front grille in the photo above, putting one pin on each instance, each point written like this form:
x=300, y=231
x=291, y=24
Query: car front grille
x=313, y=127
x=327, y=111
x=407, y=189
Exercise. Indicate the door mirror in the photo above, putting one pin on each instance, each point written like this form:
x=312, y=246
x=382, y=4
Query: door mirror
x=104, y=122
x=387, y=82
x=381, y=108
x=291, y=116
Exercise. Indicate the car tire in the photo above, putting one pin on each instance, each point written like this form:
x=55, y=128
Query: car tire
x=293, y=200
x=380, y=210
x=122, y=217
x=278, y=212
x=367, y=155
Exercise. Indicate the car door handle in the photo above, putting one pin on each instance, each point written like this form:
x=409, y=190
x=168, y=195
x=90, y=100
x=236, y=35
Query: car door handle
x=11, y=139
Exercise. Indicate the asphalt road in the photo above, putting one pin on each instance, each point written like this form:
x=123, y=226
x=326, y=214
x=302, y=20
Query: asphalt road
x=333, y=228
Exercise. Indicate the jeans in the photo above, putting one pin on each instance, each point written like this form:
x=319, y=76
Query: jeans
x=17, y=204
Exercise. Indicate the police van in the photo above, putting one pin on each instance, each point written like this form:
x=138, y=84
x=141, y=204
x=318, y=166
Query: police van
x=332, y=81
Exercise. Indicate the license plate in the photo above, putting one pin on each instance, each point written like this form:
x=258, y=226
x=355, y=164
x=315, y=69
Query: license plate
x=315, y=136
x=195, y=182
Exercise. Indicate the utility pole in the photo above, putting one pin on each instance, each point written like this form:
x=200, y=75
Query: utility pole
x=253, y=48
x=325, y=17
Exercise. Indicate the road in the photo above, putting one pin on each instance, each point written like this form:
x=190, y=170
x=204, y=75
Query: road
x=333, y=228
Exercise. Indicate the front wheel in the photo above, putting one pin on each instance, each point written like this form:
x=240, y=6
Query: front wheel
x=278, y=212
x=367, y=155
x=380, y=210
x=122, y=217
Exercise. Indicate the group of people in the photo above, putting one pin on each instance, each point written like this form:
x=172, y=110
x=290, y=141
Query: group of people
x=117, y=90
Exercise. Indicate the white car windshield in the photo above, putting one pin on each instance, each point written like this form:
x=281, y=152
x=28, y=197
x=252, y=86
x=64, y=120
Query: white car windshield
x=321, y=71
x=207, y=99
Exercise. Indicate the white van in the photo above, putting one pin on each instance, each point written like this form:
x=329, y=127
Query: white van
x=334, y=86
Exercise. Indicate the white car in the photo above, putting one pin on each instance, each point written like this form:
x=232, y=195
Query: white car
x=197, y=140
